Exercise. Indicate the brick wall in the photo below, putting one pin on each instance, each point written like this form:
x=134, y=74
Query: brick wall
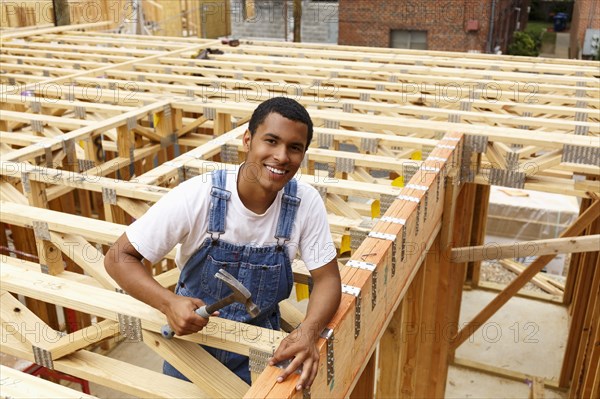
x=586, y=15
x=369, y=23
x=319, y=21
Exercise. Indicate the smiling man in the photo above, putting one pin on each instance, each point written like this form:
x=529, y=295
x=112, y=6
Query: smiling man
x=251, y=222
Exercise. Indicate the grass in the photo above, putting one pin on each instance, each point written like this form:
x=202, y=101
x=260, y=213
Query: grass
x=537, y=28
x=545, y=40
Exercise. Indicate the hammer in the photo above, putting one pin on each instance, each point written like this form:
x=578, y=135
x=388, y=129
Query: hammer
x=240, y=294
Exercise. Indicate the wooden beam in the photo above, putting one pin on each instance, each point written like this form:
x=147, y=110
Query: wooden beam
x=492, y=251
x=198, y=366
x=19, y=385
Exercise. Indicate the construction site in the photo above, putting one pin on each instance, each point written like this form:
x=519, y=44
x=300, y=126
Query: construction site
x=461, y=189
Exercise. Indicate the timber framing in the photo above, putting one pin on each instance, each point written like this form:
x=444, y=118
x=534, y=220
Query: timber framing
x=95, y=127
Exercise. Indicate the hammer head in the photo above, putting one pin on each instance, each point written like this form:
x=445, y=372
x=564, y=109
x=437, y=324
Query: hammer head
x=240, y=293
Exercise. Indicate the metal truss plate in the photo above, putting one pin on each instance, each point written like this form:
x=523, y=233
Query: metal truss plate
x=328, y=335
x=37, y=126
x=429, y=168
x=229, y=153
x=409, y=170
x=356, y=238
x=85, y=164
x=324, y=140
x=507, y=178
x=347, y=107
x=368, y=145
x=355, y=291
x=393, y=220
x=210, y=113
x=43, y=357
x=374, y=289
x=344, y=165
x=476, y=143
x=131, y=122
x=581, y=155
x=109, y=196
x=329, y=124
x=408, y=198
x=40, y=230
x=582, y=130
x=80, y=112
x=454, y=118
x=36, y=107
x=361, y=265
x=258, y=360
x=382, y=236
x=350, y=290
x=130, y=327
x=26, y=182
x=417, y=187
x=385, y=201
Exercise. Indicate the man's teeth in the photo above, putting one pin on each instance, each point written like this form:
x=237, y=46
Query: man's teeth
x=277, y=171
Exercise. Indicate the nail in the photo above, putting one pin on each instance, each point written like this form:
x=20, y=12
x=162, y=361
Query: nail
x=279, y=379
x=298, y=387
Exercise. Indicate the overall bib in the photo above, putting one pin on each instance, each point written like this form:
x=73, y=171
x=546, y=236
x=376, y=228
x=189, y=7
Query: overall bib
x=265, y=271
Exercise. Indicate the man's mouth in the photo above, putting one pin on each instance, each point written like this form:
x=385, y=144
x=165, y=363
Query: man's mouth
x=275, y=170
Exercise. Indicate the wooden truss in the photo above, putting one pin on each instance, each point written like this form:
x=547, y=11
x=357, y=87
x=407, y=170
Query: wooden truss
x=96, y=127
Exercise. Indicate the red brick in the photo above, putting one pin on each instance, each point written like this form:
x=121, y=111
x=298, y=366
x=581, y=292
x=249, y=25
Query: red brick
x=369, y=23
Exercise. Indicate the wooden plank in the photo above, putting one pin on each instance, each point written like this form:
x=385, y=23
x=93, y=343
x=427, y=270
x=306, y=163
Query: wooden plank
x=526, y=248
x=19, y=385
x=222, y=334
x=500, y=372
x=198, y=366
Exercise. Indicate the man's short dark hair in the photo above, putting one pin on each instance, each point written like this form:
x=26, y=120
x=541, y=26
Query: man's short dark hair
x=286, y=107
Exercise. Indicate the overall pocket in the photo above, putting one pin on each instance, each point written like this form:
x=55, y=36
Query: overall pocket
x=263, y=282
x=211, y=285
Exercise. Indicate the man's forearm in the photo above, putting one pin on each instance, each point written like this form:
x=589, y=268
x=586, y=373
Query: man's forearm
x=324, y=302
x=131, y=275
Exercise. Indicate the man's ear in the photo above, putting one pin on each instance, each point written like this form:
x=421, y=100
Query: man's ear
x=246, y=140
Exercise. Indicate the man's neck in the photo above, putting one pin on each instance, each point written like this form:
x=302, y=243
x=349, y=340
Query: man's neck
x=252, y=195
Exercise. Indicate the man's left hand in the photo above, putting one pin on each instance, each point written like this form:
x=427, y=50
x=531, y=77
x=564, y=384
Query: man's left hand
x=301, y=347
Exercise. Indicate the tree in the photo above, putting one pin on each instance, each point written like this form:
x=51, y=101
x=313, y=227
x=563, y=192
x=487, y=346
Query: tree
x=523, y=44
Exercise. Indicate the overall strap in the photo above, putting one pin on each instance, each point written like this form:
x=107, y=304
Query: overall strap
x=218, y=203
x=289, y=207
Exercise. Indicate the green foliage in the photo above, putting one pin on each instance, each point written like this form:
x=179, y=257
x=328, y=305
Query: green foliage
x=524, y=44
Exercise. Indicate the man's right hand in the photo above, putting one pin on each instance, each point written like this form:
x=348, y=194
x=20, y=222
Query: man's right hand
x=182, y=317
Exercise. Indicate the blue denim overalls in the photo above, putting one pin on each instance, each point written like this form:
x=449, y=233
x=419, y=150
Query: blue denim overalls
x=265, y=271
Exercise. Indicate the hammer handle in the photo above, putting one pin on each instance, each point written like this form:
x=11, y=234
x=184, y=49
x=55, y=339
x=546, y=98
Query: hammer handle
x=209, y=309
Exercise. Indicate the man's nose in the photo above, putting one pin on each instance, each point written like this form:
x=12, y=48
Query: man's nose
x=281, y=154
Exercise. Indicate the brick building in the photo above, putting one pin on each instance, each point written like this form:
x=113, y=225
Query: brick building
x=319, y=20
x=586, y=15
x=452, y=25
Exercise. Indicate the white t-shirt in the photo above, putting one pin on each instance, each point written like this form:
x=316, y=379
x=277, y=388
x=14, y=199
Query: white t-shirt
x=181, y=216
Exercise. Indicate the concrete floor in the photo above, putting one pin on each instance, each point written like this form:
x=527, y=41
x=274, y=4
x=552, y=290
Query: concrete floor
x=525, y=335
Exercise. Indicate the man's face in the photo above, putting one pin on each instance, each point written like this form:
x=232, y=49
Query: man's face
x=274, y=152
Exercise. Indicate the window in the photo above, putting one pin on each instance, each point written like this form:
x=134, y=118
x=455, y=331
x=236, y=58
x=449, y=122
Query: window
x=413, y=39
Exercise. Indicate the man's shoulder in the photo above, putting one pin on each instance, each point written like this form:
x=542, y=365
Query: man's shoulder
x=196, y=185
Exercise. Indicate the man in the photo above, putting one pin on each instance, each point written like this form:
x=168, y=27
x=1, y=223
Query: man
x=250, y=222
